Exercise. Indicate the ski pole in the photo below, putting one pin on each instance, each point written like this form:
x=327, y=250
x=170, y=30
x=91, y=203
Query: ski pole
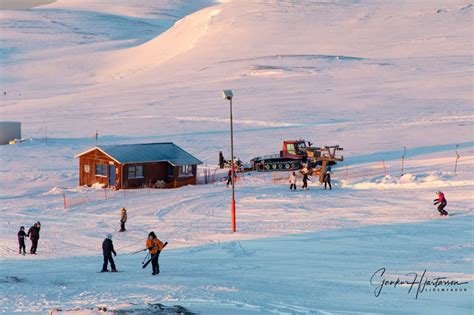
x=146, y=258
x=141, y=250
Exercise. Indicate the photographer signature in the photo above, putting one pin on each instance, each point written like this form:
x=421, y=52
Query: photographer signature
x=413, y=281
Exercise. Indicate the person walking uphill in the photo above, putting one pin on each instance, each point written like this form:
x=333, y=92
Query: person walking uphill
x=34, y=235
x=154, y=245
x=441, y=200
x=293, y=181
x=107, y=250
x=21, y=239
x=123, y=219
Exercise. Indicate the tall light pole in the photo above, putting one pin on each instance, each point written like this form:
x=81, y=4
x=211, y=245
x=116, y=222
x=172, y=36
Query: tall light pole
x=227, y=94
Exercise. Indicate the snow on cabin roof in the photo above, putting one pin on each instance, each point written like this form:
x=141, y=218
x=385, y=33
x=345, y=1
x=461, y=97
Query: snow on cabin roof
x=148, y=152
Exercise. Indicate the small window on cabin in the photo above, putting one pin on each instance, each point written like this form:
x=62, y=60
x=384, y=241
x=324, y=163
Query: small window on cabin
x=101, y=169
x=290, y=148
x=87, y=168
x=170, y=170
x=185, y=171
x=135, y=171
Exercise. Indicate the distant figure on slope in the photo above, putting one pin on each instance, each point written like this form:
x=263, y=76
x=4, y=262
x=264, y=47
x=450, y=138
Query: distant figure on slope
x=327, y=180
x=229, y=177
x=21, y=239
x=305, y=173
x=107, y=250
x=123, y=219
x=154, y=245
x=441, y=200
x=221, y=160
x=293, y=181
x=34, y=235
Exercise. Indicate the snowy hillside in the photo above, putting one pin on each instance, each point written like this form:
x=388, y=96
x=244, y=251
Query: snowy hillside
x=371, y=76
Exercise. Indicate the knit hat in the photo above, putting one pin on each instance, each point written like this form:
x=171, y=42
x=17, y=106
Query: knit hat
x=109, y=236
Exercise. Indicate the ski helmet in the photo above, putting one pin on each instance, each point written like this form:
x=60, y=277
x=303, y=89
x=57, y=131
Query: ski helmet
x=109, y=236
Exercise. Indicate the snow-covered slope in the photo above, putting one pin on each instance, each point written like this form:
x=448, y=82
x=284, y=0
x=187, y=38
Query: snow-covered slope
x=371, y=76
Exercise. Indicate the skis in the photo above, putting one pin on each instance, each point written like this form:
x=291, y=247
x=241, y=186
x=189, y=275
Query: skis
x=154, y=255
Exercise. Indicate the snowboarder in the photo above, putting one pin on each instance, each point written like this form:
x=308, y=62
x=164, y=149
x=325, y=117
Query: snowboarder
x=305, y=172
x=441, y=200
x=21, y=239
x=293, y=181
x=123, y=219
x=107, y=250
x=154, y=245
x=221, y=160
x=327, y=180
x=33, y=234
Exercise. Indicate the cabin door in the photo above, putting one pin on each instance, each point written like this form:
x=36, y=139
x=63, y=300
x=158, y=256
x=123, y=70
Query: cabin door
x=111, y=175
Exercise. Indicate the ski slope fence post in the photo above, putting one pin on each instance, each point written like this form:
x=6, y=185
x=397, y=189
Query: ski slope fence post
x=457, y=158
x=403, y=159
x=105, y=192
x=64, y=200
x=384, y=168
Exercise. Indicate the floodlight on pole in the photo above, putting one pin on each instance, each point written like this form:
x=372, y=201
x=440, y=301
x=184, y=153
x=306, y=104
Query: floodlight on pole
x=228, y=95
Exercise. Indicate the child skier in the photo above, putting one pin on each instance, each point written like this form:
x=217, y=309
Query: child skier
x=107, y=250
x=441, y=200
x=154, y=245
x=293, y=181
x=21, y=239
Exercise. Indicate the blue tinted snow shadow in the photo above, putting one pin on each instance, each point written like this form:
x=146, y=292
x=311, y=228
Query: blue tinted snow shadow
x=395, y=155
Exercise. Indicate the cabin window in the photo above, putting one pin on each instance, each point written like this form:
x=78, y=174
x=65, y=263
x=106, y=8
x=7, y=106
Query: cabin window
x=290, y=148
x=135, y=171
x=185, y=171
x=101, y=170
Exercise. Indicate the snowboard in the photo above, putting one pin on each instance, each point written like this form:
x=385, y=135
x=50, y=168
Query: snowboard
x=149, y=260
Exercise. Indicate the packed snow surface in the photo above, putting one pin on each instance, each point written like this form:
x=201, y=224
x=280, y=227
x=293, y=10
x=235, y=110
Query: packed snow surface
x=371, y=76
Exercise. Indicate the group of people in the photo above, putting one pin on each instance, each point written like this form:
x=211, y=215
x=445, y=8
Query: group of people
x=305, y=172
x=153, y=245
x=33, y=234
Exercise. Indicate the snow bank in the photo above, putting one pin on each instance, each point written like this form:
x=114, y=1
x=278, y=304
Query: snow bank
x=409, y=181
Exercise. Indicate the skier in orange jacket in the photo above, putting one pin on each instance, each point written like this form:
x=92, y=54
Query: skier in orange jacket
x=154, y=245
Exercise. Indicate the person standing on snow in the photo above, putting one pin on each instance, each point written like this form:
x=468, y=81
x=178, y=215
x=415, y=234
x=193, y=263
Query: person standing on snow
x=221, y=160
x=305, y=172
x=229, y=177
x=441, y=200
x=154, y=245
x=107, y=250
x=293, y=181
x=21, y=239
x=327, y=180
x=34, y=235
x=123, y=219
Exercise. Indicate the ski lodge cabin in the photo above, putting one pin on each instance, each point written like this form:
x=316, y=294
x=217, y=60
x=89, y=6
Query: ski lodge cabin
x=156, y=165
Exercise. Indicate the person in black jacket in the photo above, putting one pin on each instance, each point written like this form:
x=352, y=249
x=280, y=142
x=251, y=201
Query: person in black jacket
x=221, y=160
x=21, y=239
x=107, y=250
x=34, y=235
x=327, y=180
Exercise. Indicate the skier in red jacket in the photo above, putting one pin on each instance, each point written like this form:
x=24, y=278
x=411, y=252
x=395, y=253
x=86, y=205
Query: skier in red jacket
x=442, y=203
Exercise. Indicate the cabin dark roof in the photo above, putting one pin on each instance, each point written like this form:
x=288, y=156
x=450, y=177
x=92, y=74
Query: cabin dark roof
x=149, y=152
